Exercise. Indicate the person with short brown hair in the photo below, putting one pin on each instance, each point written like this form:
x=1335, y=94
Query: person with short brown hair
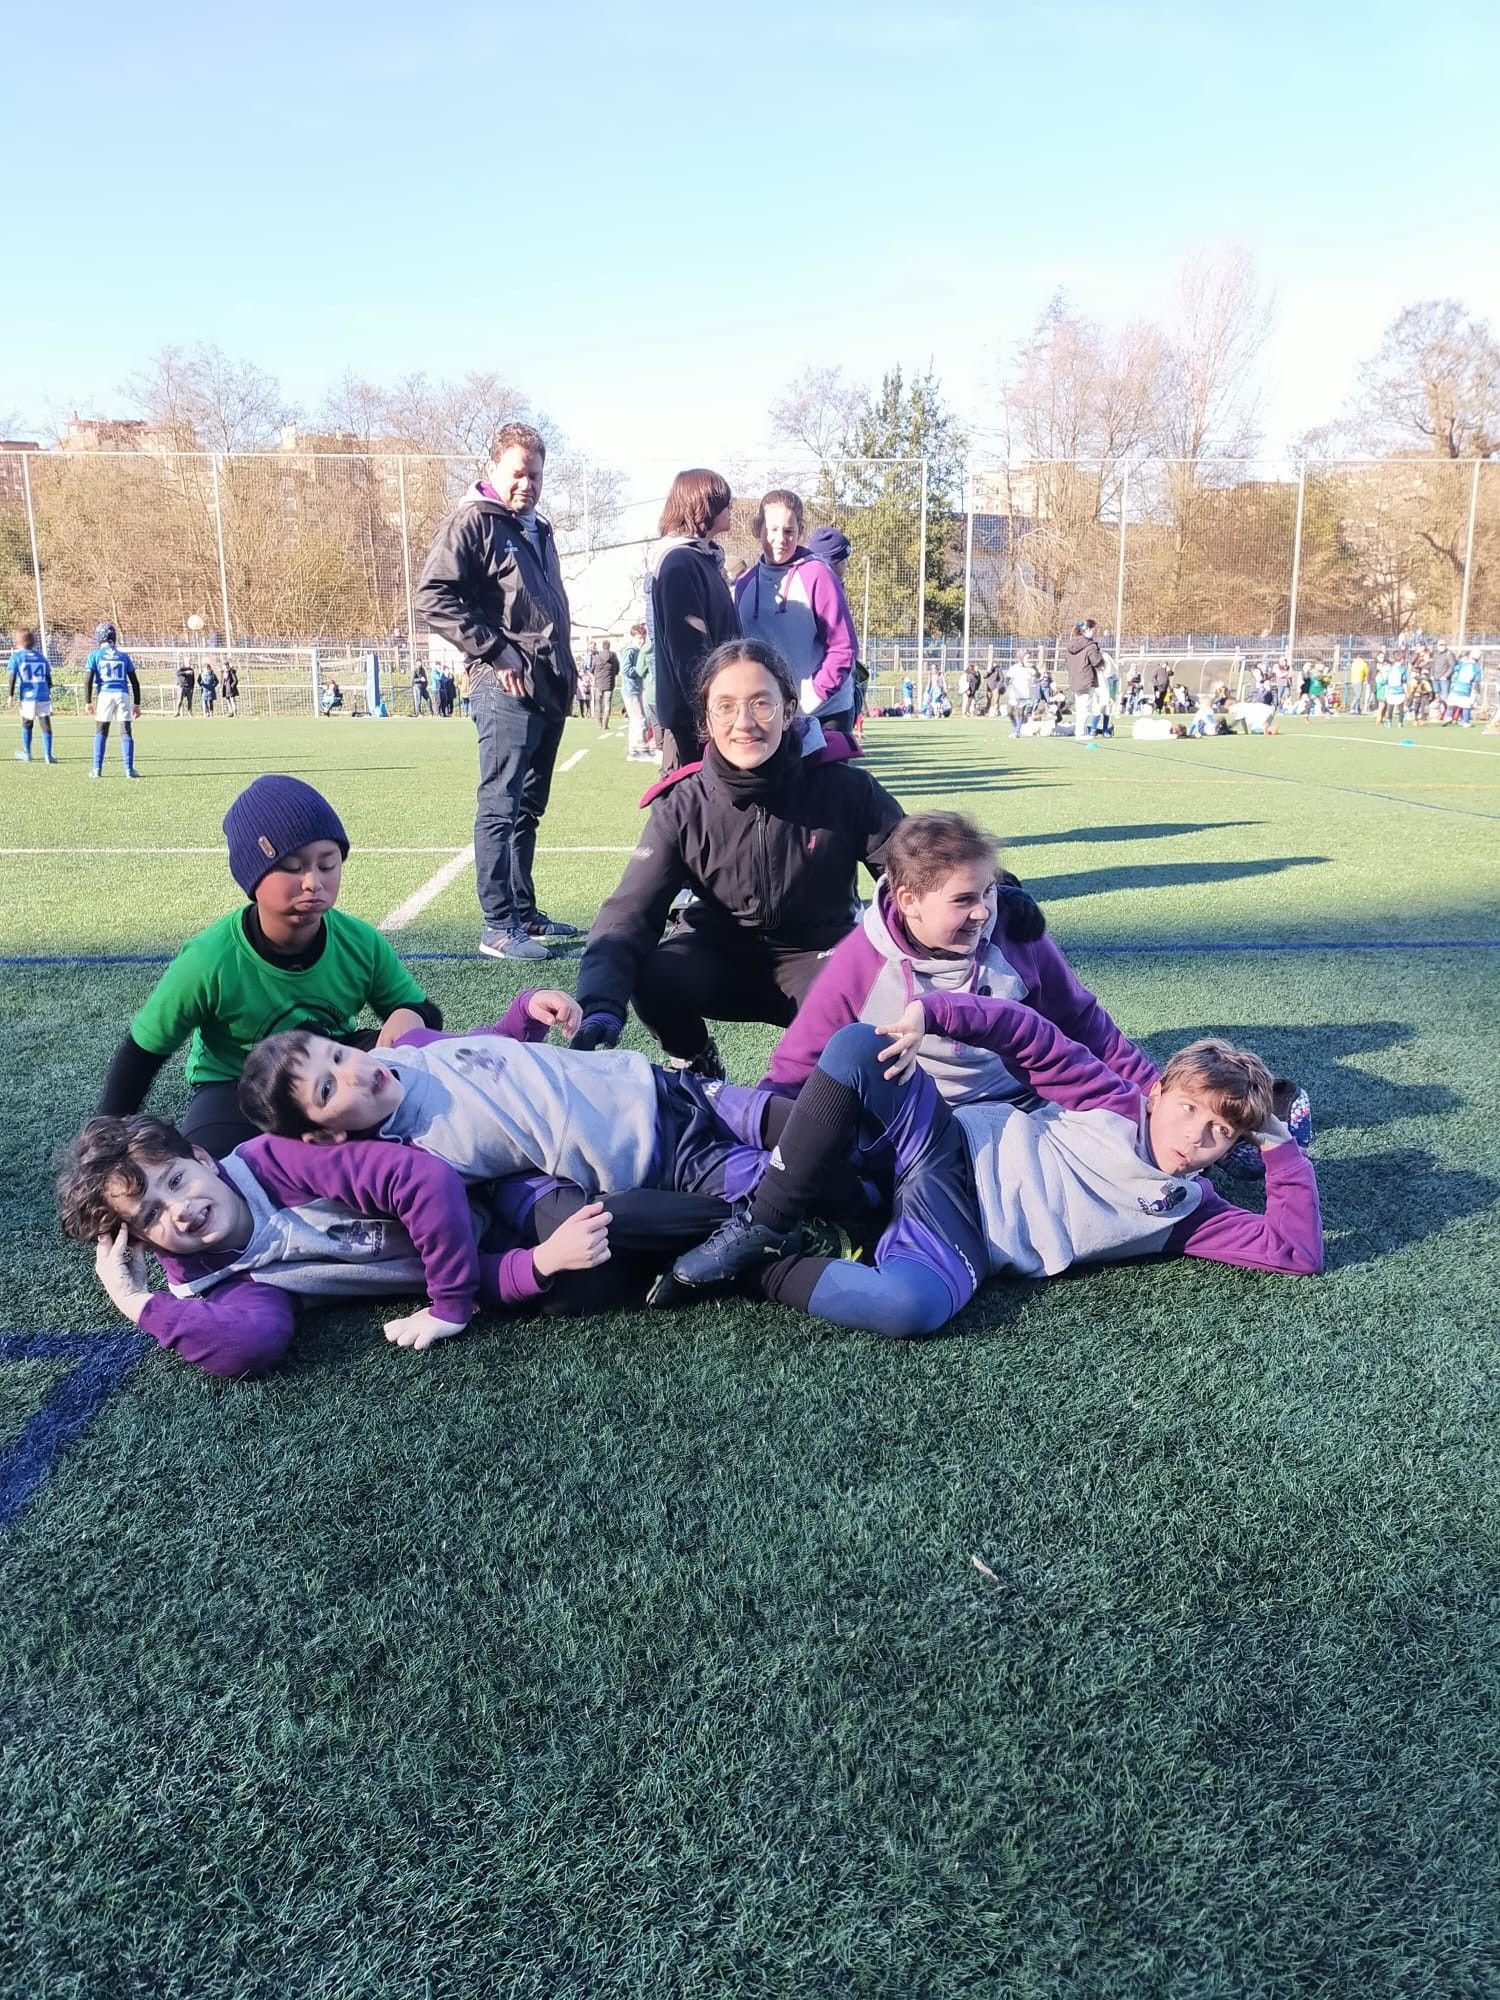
x=492, y=584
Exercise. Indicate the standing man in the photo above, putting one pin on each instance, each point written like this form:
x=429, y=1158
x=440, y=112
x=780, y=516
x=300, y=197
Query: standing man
x=1085, y=668
x=606, y=672
x=492, y=585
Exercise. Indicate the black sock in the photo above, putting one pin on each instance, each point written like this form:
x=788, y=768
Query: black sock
x=819, y=1135
x=790, y=1280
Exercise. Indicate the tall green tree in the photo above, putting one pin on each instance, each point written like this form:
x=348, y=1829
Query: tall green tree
x=903, y=424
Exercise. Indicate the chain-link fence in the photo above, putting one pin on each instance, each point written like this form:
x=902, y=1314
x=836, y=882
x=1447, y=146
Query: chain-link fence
x=249, y=552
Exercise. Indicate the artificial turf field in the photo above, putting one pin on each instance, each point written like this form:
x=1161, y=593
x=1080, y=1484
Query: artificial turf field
x=645, y=1655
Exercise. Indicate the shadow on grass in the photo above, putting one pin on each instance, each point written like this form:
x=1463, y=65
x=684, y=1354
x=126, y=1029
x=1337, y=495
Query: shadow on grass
x=1163, y=875
x=1079, y=835
x=1314, y=1056
x=1383, y=1202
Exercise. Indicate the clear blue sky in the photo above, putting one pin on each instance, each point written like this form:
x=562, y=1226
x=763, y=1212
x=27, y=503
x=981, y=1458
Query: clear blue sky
x=651, y=218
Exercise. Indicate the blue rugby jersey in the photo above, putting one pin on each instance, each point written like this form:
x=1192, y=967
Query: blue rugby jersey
x=112, y=669
x=31, y=674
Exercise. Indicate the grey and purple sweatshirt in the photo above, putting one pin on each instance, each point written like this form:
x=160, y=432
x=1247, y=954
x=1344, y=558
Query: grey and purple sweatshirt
x=1075, y=1183
x=878, y=969
x=366, y=1218
x=799, y=608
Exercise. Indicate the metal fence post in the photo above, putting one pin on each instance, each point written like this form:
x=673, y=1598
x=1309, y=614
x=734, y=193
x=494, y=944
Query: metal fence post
x=1463, y=601
x=1291, y=621
x=411, y=621
x=1120, y=570
x=922, y=575
x=968, y=560
x=36, y=564
x=223, y=566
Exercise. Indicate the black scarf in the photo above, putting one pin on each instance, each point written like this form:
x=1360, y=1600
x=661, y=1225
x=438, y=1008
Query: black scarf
x=753, y=788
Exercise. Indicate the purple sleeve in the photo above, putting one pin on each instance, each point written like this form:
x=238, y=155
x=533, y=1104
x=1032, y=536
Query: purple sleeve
x=833, y=1000
x=239, y=1328
x=1038, y=1053
x=835, y=627
x=516, y=1023
x=1288, y=1237
x=1060, y=995
x=378, y=1178
x=509, y=1279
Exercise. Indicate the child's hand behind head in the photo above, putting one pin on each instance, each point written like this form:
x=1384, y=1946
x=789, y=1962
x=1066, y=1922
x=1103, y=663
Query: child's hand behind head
x=1275, y=1132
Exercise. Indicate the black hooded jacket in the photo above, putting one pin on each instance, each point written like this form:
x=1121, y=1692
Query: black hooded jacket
x=772, y=858
x=484, y=587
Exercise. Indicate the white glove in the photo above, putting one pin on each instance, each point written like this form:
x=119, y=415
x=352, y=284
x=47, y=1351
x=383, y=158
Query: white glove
x=420, y=1329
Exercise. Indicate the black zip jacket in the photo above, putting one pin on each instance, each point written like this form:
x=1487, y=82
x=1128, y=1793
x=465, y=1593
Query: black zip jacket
x=484, y=588
x=774, y=865
x=688, y=583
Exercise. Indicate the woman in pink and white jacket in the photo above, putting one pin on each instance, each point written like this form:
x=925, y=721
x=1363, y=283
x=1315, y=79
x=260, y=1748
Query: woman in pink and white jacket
x=795, y=602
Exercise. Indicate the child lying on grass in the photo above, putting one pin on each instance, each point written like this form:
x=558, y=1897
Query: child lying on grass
x=240, y=1238
x=946, y=920
x=1103, y=1170
x=493, y=1102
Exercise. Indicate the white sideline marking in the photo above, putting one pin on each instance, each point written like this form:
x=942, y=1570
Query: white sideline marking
x=576, y=758
x=430, y=890
x=1442, y=749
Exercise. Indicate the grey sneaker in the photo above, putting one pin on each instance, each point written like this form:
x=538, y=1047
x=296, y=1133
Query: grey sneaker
x=509, y=942
x=551, y=927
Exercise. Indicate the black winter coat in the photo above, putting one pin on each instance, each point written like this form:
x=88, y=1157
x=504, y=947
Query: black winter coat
x=776, y=870
x=484, y=588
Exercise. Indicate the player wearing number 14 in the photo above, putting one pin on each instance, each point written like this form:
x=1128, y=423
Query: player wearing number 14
x=31, y=676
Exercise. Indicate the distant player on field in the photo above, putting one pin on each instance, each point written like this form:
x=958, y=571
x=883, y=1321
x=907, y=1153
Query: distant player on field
x=112, y=673
x=31, y=674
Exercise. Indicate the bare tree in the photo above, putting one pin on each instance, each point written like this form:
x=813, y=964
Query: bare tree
x=1207, y=404
x=1433, y=384
x=820, y=414
x=199, y=399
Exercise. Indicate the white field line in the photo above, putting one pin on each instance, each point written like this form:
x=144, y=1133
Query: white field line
x=1439, y=749
x=431, y=889
x=576, y=758
x=139, y=852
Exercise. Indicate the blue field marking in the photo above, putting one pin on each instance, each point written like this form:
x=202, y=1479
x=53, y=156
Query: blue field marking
x=1226, y=946
x=101, y=1363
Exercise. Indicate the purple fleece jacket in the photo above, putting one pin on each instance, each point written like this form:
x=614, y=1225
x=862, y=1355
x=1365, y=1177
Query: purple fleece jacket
x=1288, y=1237
x=801, y=610
x=242, y=1327
x=875, y=971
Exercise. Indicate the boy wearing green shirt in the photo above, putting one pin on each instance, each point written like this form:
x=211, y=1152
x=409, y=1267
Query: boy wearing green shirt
x=289, y=959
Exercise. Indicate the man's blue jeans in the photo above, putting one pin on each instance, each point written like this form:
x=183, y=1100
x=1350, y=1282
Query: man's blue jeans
x=517, y=750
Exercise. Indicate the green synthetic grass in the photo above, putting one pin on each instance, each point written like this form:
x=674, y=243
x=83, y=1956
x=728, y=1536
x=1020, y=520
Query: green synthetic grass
x=645, y=1655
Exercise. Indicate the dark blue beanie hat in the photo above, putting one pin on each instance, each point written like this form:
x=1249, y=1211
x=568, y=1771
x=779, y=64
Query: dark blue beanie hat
x=273, y=817
x=829, y=545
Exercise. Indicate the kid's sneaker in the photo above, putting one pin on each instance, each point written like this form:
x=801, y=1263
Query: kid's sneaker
x=736, y=1246
x=1292, y=1106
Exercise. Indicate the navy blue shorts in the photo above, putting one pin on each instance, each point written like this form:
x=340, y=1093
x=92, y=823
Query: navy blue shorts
x=696, y=1151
